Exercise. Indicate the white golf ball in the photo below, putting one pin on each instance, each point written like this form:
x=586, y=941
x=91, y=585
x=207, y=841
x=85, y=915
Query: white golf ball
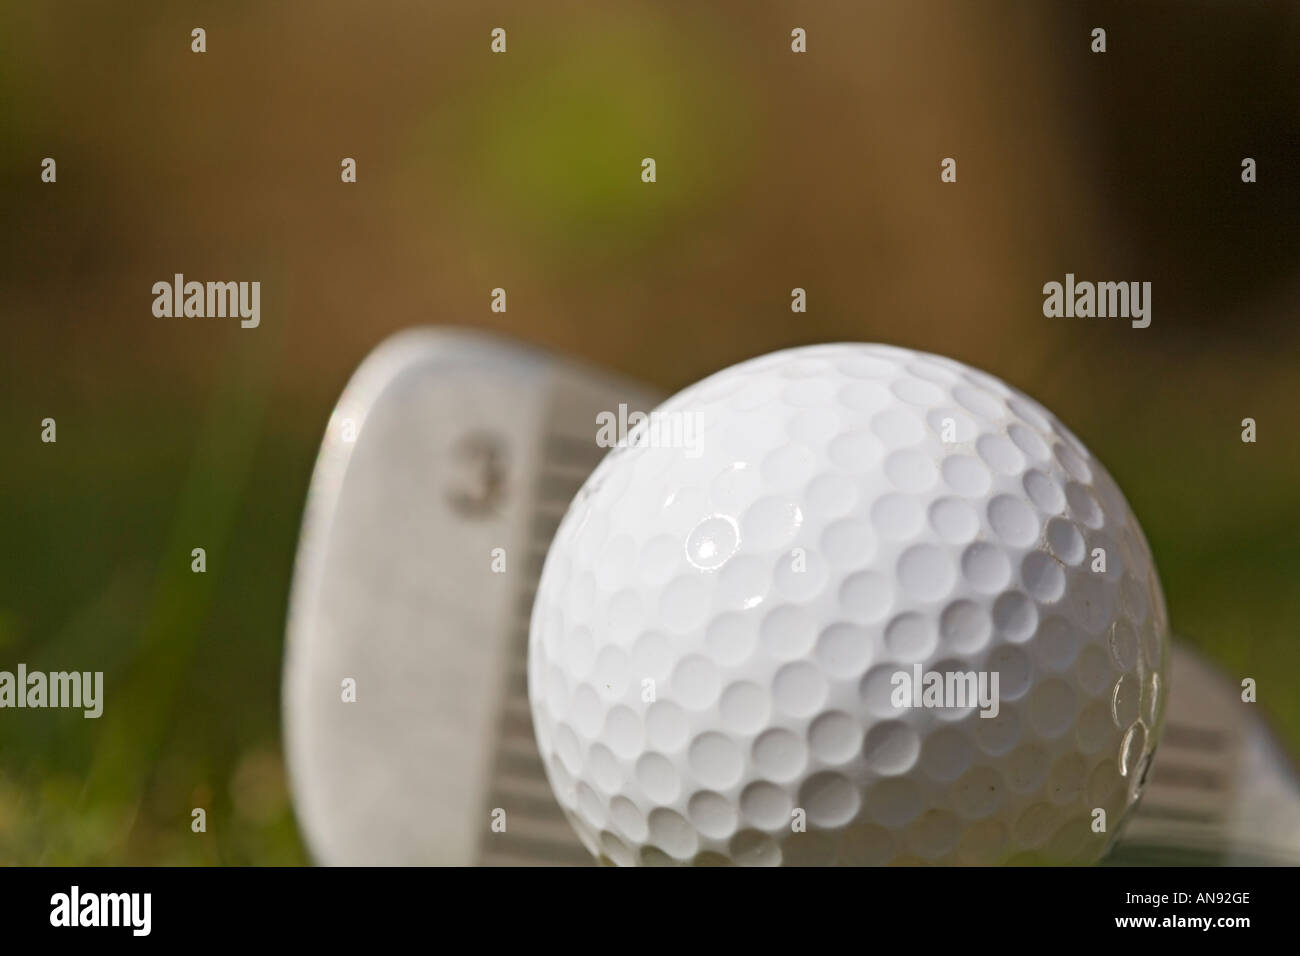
x=736, y=605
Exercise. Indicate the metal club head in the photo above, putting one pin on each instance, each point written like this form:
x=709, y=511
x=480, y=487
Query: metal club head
x=445, y=446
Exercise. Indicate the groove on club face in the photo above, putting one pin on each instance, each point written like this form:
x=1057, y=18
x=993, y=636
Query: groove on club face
x=538, y=832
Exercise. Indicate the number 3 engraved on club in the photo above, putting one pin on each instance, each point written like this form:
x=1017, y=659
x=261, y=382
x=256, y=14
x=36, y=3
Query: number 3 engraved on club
x=479, y=475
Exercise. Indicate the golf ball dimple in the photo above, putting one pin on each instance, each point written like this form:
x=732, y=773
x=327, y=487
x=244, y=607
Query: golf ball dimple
x=724, y=622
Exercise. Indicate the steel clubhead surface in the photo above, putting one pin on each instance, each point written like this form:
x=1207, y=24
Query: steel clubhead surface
x=446, y=466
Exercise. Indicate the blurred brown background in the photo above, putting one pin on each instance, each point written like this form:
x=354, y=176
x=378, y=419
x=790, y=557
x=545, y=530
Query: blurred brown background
x=522, y=170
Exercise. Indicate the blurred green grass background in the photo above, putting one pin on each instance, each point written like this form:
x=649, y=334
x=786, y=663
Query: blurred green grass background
x=522, y=171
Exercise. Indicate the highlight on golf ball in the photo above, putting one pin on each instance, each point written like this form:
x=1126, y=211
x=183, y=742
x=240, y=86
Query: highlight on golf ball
x=848, y=604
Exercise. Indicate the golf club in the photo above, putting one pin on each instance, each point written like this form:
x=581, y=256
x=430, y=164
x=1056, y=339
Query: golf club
x=443, y=473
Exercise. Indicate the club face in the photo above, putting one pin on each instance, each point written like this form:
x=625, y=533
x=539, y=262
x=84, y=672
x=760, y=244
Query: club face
x=446, y=466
